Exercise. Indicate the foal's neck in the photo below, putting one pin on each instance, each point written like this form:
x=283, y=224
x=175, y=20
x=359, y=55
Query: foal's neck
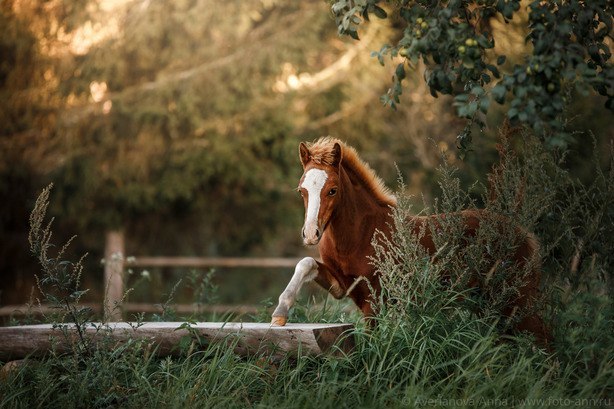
x=357, y=215
x=358, y=192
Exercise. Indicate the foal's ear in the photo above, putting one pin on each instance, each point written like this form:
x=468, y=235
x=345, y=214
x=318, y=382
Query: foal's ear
x=336, y=154
x=304, y=154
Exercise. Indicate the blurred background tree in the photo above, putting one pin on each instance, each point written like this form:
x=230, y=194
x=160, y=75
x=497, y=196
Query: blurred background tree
x=176, y=124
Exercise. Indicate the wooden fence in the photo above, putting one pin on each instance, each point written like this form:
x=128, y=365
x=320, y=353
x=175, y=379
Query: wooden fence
x=21, y=310
x=114, y=276
x=116, y=265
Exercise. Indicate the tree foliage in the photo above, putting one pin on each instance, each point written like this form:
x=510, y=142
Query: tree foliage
x=174, y=120
x=162, y=109
x=569, y=52
x=179, y=121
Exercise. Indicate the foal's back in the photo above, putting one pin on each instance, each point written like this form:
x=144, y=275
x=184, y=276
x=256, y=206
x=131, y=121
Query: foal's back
x=523, y=253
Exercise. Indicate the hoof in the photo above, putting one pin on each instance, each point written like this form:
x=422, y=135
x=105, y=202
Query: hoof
x=279, y=321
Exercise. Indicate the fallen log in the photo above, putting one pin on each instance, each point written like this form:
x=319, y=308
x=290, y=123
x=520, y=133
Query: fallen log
x=245, y=338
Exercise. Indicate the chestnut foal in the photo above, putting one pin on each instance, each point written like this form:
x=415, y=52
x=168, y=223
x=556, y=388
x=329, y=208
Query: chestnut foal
x=345, y=203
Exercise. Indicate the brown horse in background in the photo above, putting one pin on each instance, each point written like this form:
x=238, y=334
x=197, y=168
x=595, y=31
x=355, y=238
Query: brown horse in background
x=345, y=203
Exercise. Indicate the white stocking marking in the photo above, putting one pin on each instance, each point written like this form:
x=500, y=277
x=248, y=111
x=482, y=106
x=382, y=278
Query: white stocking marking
x=305, y=271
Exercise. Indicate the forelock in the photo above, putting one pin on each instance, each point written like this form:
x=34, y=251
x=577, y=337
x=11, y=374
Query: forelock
x=321, y=151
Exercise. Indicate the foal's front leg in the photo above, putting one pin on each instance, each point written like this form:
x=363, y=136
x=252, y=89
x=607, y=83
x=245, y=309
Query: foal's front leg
x=306, y=270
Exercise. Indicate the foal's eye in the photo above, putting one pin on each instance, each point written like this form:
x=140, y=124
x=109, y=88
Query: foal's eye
x=332, y=192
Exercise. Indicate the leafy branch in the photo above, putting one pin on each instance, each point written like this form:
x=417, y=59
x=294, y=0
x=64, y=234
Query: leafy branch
x=570, y=51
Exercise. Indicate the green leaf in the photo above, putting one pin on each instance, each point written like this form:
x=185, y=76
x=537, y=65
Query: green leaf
x=508, y=11
x=338, y=7
x=78, y=294
x=494, y=70
x=484, y=43
x=379, y=12
x=468, y=62
x=400, y=72
x=184, y=343
x=484, y=104
x=472, y=107
x=353, y=34
x=461, y=98
x=498, y=93
x=477, y=91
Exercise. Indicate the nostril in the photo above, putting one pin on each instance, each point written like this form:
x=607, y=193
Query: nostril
x=303, y=233
x=318, y=233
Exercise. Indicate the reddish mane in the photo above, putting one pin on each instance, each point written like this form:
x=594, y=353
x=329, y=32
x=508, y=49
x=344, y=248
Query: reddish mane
x=321, y=153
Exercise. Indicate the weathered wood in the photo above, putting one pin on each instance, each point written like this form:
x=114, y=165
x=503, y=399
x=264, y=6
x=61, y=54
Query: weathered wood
x=246, y=338
x=206, y=262
x=114, y=252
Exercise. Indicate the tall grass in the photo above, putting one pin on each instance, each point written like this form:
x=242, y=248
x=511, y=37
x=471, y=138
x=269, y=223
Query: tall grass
x=430, y=347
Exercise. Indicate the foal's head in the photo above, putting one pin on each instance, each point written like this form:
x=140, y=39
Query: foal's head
x=320, y=188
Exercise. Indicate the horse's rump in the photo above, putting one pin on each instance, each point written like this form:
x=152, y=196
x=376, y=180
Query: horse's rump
x=521, y=249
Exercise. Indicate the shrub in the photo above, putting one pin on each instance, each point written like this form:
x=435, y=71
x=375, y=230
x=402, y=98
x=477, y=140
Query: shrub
x=440, y=323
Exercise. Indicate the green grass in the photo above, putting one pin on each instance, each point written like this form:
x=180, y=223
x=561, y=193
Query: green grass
x=409, y=364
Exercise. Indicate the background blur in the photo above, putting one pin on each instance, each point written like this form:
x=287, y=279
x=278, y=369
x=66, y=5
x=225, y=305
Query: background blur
x=177, y=124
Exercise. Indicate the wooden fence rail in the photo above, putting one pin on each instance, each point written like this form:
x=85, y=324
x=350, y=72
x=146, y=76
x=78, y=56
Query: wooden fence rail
x=20, y=310
x=208, y=262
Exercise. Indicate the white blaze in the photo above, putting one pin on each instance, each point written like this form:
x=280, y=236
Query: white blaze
x=314, y=182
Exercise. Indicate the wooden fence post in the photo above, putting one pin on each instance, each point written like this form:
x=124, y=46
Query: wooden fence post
x=114, y=256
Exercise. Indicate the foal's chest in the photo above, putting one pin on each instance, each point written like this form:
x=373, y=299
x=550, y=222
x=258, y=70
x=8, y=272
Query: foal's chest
x=349, y=265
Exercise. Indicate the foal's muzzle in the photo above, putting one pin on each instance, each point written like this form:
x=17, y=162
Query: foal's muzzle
x=311, y=234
